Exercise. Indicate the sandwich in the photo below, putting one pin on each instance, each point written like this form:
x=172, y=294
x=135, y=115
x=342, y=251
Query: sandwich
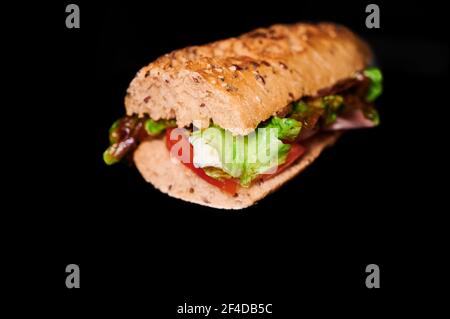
x=227, y=123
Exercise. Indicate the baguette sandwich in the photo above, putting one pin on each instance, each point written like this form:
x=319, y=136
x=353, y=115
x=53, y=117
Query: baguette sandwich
x=227, y=123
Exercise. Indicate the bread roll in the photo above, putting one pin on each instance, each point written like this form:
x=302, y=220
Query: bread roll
x=239, y=82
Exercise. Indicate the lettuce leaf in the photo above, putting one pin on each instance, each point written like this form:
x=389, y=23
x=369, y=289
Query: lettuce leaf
x=371, y=113
x=288, y=128
x=300, y=107
x=243, y=157
x=264, y=141
x=333, y=104
x=154, y=128
x=376, y=85
x=217, y=173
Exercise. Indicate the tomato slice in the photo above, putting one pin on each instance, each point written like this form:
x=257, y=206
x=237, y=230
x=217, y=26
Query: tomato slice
x=295, y=152
x=229, y=186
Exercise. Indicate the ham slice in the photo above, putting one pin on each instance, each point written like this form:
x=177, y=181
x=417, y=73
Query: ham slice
x=351, y=120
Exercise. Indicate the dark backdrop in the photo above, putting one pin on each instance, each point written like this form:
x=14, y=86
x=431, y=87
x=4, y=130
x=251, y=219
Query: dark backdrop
x=369, y=199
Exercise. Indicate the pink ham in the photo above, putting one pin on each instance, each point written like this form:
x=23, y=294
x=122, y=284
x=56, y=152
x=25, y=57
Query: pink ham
x=351, y=120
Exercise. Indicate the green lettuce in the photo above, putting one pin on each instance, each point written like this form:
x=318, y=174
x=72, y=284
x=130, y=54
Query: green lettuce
x=216, y=173
x=372, y=114
x=154, y=128
x=333, y=104
x=327, y=107
x=302, y=109
x=263, y=142
x=288, y=128
x=376, y=85
x=244, y=157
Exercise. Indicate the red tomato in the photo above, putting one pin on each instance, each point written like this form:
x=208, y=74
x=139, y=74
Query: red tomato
x=227, y=185
x=295, y=152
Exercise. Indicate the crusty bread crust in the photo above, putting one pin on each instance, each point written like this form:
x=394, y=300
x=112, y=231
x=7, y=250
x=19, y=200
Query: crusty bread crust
x=239, y=82
x=171, y=177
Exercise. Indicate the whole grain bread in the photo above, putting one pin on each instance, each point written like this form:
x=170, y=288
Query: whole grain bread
x=171, y=177
x=239, y=82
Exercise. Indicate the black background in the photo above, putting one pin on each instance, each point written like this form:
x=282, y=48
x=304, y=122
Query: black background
x=369, y=199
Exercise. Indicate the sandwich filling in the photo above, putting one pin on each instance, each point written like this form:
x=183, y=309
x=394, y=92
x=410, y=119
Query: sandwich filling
x=230, y=162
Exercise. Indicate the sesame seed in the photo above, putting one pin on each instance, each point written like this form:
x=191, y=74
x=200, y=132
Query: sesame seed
x=283, y=66
x=260, y=78
x=237, y=67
